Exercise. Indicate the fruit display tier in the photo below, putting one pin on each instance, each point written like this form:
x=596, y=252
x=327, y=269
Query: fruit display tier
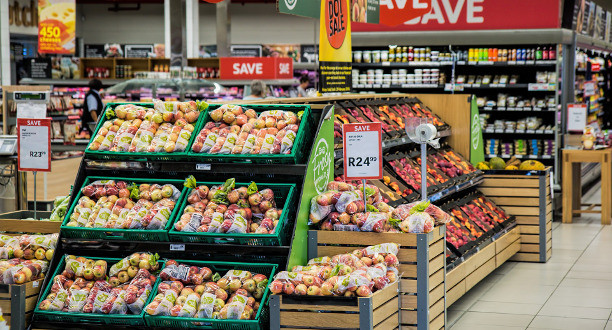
x=284, y=180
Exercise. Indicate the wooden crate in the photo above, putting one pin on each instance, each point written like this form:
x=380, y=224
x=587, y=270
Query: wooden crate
x=527, y=196
x=379, y=311
x=17, y=226
x=422, y=269
x=18, y=302
x=467, y=274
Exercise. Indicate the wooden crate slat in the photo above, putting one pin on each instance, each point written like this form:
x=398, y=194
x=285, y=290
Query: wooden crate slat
x=518, y=210
x=436, y=279
x=409, y=301
x=406, y=270
x=530, y=248
x=436, y=264
x=534, y=229
x=507, y=253
x=409, y=286
x=323, y=251
x=437, y=323
x=477, y=260
x=35, y=226
x=527, y=220
x=316, y=308
x=509, y=191
x=530, y=257
x=507, y=239
x=391, y=322
x=436, y=309
x=436, y=294
x=436, y=248
x=479, y=274
x=383, y=312
x=33, y=287
x=530, y=239
x=407, y=255
x=327, y=320
x=515, y=201
x=455, y=293
x=365, y=238
x=380, y=297
x=455, y=275
x=408, y=317
x=503, y=182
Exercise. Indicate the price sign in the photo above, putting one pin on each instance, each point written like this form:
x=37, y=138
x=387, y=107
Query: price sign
x=34, y=144
x=362, y=151
x=576, y=117
x=590, y=88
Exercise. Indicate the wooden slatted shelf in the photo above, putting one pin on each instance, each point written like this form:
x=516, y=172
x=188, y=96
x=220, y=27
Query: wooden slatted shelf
x=379, y=311
x=421, y=256
x=531, y=204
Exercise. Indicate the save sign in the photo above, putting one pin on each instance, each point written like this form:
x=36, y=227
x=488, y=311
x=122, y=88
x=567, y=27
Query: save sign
x=396, y=12
x=34, y=144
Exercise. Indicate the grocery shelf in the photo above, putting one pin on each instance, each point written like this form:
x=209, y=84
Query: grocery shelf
x=509, y=63
x=521, y=156
x=67, y=82
x=519, y=109
x=394, y=86
x=402, y=64
x=519, y=131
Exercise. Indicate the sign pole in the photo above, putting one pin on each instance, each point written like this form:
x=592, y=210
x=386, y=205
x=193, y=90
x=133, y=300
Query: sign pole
x=34, y=173
x=424, y=171
x=362, y=146
x=365, y=199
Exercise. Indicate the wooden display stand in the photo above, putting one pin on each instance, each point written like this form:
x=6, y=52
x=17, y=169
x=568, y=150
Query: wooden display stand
x=526, y=195
x=467, y=274
x=18, y=226
x=378, y=312
x=58, y=181
x=422, y=269
x=572, y=192
x=18, y=302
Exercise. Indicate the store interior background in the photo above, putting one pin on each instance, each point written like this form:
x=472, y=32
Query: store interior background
x=489, y=305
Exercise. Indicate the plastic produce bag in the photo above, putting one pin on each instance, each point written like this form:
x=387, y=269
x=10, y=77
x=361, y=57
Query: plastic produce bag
x=206, y=306
x=77, y=300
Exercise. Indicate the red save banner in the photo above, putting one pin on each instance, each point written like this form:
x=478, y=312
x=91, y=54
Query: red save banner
x=445, y=15
x=396, y=12
x=256, y=68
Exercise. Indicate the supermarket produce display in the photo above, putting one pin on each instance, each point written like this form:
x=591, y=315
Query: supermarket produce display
x=207, y=216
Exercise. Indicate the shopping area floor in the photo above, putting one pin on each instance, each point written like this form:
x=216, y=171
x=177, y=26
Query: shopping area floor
x=573, y=290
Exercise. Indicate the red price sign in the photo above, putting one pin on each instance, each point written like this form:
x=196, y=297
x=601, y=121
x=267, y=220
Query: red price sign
x=362, y=151
x=256, y=67
x=34, y=144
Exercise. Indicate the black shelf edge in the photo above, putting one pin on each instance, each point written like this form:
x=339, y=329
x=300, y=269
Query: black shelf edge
x=521, y=156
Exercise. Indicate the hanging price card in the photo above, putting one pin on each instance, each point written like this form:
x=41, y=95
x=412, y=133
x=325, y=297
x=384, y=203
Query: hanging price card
x=34, y=144
x=362, y=151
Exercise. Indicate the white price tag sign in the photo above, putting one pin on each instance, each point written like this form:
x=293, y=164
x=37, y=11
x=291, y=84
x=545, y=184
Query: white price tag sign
x=362, y=151
x=34, y=144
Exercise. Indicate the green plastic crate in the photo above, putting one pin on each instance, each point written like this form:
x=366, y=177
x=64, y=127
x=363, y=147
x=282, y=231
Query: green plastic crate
x=298, y=150
x=122, y=234
x=221, y=267
x=123, y=155
x=76, y=318
x=284, y=194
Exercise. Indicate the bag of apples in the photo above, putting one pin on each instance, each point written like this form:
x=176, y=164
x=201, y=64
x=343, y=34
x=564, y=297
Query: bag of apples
x=352, y=274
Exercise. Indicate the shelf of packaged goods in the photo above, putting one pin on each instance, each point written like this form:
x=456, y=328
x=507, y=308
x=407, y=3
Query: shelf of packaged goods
x=521, y=156
x=519, y=131
x=532, y=87
x=396, y=86
x=519, y=109
x=509, y=63
x=67, y=82
x=402, y=64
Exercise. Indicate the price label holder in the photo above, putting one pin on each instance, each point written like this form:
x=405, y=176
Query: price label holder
x=34, y=147
x=362, y=151
x=177, y=247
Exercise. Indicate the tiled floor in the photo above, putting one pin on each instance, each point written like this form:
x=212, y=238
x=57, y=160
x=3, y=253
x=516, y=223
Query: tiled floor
x=572, y=291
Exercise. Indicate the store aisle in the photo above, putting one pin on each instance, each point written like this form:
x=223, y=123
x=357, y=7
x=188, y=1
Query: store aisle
x=572, y=291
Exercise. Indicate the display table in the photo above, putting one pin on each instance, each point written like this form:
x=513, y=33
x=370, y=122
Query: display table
x=572, y=203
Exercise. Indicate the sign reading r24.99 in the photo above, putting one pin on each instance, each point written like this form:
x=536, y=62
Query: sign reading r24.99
x=362, y=151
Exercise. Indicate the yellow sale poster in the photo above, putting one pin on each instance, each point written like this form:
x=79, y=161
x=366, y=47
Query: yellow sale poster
x=56, y=26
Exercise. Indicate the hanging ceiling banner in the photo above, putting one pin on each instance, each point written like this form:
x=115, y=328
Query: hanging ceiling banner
x=365, y=11
x=56, y=26
x=446, y=15
x=335, y=60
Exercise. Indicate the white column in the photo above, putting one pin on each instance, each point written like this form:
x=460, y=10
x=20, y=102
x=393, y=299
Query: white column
x=5, y=44
x=192, y=24
x=166, y=27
